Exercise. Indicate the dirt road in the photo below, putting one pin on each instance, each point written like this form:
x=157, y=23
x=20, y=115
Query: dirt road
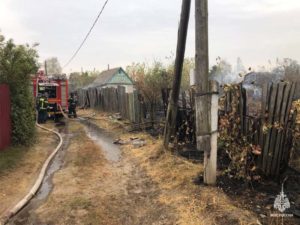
x=101, y=183
x=98, y=187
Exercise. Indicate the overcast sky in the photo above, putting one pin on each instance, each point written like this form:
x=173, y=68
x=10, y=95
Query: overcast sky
x=144, y=30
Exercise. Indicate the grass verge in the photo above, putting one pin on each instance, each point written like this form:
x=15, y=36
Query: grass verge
x=10, y=157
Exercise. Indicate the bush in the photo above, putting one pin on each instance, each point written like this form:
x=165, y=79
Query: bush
x=17, y=62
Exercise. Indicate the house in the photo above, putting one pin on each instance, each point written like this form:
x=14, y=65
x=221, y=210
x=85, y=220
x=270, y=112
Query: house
x=113, y=78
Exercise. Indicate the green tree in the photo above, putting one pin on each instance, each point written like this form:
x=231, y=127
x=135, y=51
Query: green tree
x=188, y=65
x=150, y=80
x=17, y=63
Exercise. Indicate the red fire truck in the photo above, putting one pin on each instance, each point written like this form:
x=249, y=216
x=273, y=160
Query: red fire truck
x=56, y=89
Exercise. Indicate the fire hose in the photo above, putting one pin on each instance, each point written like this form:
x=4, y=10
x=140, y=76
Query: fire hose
x=21, y=204
x=12, y=212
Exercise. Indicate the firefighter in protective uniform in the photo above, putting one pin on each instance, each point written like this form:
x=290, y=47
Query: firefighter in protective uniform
x=72, y=106
x=42, y=107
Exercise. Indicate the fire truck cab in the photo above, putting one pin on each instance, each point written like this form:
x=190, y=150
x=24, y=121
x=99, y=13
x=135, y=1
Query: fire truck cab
x=55, y=87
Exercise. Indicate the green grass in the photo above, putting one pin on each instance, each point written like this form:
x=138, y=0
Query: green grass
x=10, y=157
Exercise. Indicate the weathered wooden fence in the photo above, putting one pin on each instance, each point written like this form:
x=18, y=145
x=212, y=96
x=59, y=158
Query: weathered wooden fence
x=264, y=120
x=185, y=123
x=271, y=127
x=113, y=100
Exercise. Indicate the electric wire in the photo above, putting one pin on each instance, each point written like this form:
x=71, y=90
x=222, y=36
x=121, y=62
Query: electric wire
x=87, y=35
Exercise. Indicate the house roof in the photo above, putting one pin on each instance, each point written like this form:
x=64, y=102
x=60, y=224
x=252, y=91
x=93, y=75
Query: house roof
x=106, y=76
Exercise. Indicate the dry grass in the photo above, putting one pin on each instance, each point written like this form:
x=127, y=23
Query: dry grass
x=20, y=167
x=194, y=204
x=174, y=176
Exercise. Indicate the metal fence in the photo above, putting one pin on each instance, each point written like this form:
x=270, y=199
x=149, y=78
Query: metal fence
x=5, y=121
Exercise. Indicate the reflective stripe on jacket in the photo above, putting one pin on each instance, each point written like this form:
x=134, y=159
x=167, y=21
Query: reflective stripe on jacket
x=43, y=103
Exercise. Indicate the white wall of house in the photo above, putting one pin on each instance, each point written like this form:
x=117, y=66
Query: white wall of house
x=128, y=88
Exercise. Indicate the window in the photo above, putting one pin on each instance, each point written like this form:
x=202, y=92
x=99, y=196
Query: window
x=50, y=91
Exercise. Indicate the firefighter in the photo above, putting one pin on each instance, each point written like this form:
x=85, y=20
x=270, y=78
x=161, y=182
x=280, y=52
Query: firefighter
x=72, y=106
x=55, y=111
x=42, y=106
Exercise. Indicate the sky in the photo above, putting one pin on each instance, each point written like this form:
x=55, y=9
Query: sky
x=146, y=30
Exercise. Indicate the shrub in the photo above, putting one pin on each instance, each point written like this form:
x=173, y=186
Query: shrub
x=17, y=62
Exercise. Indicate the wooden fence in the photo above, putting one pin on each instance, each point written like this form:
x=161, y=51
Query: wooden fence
x=271, y=127
x=266, y=122
x=113, y=100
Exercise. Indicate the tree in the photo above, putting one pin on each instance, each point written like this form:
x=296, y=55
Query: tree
x=78, y=80
x=17, y=63
x=53, y=66
x=150, y=80
x=188, y=65
x=287, y=66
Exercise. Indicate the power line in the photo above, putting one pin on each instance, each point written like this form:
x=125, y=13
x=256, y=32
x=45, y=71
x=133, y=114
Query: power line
x=86, y=37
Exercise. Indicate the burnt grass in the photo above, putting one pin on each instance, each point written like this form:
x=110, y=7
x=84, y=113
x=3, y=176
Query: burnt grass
x=255, y=196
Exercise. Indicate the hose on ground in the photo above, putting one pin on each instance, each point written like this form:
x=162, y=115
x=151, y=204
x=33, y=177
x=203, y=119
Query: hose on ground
x=80, y=118
x=12, y=212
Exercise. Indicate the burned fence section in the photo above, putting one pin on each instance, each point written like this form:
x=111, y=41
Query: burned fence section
x=267, y=123
x=113, y=100
x=185, y=122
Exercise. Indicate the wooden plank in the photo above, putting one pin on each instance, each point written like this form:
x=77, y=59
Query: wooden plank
x=286, y=145
x=271, y=110
x=275, y=147
x=283, y=117
x=265, y=110
x=241, y=109
x=273, y=131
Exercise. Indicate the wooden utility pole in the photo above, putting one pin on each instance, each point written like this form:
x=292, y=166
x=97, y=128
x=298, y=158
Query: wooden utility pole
x=46, y=68
x=206, y=101
x=181, y=43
